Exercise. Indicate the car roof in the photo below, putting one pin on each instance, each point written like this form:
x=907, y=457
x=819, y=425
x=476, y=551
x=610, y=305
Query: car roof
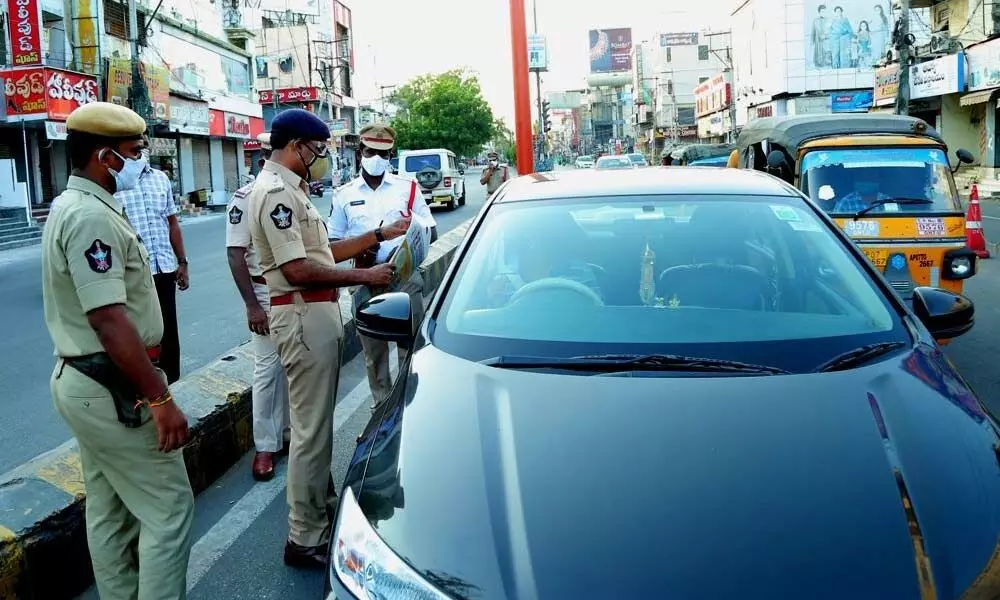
x=651, y=181
x=427, y=151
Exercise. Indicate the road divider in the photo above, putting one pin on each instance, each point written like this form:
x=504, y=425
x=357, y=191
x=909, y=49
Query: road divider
x=43, y=543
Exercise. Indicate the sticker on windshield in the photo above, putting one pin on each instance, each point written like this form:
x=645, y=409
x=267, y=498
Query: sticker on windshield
x=890, y=207
x=785, y=213
x=804, y=226
x=861, y=228
x=930, y=226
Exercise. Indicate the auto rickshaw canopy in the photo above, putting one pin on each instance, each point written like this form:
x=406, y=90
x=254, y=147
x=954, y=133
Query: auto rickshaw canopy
x=791, y=132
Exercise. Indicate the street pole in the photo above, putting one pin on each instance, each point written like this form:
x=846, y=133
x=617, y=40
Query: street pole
x=274, y=94
x=140, y=95
x=538, y=86
x=522, y=91
x=902, y=44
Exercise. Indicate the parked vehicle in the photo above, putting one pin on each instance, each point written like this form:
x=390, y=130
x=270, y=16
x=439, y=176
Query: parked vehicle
x=437, y=172
x=638, y=159
x=614, y=161
x=779, y=423
x=886, y=181
x=686, y=154
x=584, y=162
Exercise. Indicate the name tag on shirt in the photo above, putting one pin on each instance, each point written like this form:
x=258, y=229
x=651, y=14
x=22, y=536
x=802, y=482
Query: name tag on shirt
x=358, y=203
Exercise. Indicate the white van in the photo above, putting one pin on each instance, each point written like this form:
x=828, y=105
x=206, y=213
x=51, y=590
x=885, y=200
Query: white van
x=440, y=177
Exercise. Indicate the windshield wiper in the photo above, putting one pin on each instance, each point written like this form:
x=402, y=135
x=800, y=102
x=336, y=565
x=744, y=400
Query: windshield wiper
x=858, y=356
x=878, y=203
x=613, y=363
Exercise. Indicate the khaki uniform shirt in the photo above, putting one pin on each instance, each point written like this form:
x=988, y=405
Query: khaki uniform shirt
x=496, y=179
x=285, y=226
x=92, y=258
x=238, y=229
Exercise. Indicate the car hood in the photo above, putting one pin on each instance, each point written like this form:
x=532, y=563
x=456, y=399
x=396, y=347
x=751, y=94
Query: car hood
x=872, y=483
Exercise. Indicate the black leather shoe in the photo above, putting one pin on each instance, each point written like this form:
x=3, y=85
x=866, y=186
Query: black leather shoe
x=305, y=557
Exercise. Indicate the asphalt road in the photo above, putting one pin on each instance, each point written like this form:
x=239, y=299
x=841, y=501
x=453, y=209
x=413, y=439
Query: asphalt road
x=211, y=315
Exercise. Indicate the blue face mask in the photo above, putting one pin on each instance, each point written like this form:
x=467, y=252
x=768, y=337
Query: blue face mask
x=128, y=177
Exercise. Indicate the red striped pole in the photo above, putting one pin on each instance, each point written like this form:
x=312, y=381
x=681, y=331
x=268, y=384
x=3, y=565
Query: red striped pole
x=522, y=91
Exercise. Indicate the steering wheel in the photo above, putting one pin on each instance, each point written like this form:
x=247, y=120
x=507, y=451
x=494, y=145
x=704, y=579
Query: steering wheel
x=557, y=284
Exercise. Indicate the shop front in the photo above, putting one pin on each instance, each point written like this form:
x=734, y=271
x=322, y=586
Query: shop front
x=229, y=129
x=983, y=86
x=186, y=147
x=32, y=139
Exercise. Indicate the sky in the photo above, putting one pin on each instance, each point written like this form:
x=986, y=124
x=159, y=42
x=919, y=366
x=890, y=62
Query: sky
x=396, y=40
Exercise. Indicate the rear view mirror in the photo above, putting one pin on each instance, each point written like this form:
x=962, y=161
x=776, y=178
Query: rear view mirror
x=387, y=317
x=964, y=156
x=946, y=314
x=775, y=160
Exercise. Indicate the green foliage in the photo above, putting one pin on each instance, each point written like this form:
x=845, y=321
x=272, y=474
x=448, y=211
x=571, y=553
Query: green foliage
x=443, y=111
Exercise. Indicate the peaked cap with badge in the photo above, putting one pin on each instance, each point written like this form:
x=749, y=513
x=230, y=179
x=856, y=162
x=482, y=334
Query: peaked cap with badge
x=107, y=120
x=378, y=136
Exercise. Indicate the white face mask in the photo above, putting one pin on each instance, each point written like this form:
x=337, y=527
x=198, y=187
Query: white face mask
x=128, y=177
x=374, y=165
x=494, y=163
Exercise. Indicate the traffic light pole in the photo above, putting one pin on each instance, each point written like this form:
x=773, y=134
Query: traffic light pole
x=522, y=91
x=538, y=86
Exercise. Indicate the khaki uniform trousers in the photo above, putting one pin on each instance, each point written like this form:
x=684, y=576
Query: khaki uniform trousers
x=140, y=507
x=270, y=387
x=309, y=338
x=377, y=353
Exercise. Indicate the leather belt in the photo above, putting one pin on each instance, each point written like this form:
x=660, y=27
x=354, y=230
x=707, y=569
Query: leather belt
x=258, y=279
x=308, y=296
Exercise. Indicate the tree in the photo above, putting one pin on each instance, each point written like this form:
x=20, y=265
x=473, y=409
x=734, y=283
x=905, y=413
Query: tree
x=443, y=111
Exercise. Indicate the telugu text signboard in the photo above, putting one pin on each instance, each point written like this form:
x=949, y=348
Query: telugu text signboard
x=25, y=21
x=285, y=95
x=39, y=93
x=938, y=77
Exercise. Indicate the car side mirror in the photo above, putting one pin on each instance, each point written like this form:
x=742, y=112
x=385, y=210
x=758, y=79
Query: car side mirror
x=946, y=314
x=387, y=317
x=461, y=171
x=964, y=156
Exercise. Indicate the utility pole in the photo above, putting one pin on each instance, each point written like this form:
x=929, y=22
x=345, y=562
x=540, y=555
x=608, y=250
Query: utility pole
x=522, y=91
x=902, y=40
x=138, y=91
x=538, y=86
x=274, y=93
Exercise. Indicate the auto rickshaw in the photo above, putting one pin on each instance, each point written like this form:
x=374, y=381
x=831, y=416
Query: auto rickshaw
x=687, y=154
x=885, y=180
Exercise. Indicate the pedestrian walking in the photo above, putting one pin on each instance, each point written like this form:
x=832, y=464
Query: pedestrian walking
x=493, y=175
x=368, y=218
x=103, y=315
x=270, y=386
x=303, y=280
x=151, y=209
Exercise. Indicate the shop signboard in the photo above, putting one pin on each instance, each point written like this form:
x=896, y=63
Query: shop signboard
x=25, y=20
x=712, y=95
x=339, y=127
x=236, y=126
x=286, y=95
x=157, y=84
x=55, y=130
x=939, y=77
x=852, y=101
x=886, y=85
x=188, y=117
x=216, y=123
x=983, y=70
x=39, y=93
x=678, y=39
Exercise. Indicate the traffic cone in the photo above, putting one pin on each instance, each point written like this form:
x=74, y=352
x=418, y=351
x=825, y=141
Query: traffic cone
x=974, y=237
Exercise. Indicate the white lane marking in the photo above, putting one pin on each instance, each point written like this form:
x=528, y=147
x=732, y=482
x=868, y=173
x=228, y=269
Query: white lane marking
x=993, y=218
x=217, y=540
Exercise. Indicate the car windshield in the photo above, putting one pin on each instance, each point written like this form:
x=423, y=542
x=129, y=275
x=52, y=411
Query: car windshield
x=755, y=279
x=417, y=162
x=614, y=162
x=637, y=159
x=892, y=179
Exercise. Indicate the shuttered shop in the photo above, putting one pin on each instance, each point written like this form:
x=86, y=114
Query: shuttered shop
x=201, y=159
x=230, y=164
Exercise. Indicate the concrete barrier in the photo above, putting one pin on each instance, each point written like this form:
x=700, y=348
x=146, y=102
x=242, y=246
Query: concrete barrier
x=43, y=543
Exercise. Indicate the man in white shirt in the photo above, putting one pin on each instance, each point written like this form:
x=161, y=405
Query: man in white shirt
x=378, y=207
x=270, y=386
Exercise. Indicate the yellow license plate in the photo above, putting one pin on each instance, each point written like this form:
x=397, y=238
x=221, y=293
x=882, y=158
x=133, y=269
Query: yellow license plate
x=877, y=257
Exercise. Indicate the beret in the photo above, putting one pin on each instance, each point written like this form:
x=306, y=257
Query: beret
x=378, y=136
x=106, y=119
x=299, y=123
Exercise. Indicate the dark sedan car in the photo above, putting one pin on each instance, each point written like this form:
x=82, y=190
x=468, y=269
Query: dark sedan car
x=669, y=383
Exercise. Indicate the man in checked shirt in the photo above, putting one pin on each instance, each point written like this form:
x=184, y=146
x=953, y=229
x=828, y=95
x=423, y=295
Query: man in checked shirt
x=150, y=208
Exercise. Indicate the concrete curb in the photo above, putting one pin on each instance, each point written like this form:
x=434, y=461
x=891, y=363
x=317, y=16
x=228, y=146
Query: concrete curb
x=43, y=543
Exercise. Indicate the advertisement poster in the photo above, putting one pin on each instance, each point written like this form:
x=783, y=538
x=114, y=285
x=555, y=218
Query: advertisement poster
x=157, y=83
x=537, y=53
x=850, y=34
x=189, y=117
x=984, y=65
x=610, y=50
x=886, y=84
x=852, y=101
x=25, y=32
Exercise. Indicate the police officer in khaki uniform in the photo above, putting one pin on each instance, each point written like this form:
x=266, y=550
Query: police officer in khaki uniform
x=103, y=315
x=494, y=175
x=302, y=279
x=270, y=387
x=367, y=217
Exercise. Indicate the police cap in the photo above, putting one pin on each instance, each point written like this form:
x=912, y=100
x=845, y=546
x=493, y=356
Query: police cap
x=106, y=119
x=296, y=123
x=265, y=140
x=491, y=155
x=378, y=136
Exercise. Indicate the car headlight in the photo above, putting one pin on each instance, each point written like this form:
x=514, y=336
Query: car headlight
x=366, y=566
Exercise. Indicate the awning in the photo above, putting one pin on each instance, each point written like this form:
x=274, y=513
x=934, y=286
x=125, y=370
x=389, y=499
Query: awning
x=976, y=98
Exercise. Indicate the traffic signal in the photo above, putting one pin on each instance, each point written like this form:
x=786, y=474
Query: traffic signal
x=547, y=126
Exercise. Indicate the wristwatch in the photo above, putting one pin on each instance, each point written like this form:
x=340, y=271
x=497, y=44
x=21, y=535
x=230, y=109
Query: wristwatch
x=378, y=235
x=182, y=261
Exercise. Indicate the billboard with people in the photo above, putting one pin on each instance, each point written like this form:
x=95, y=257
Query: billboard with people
x=846, y=34
x=610, y=50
